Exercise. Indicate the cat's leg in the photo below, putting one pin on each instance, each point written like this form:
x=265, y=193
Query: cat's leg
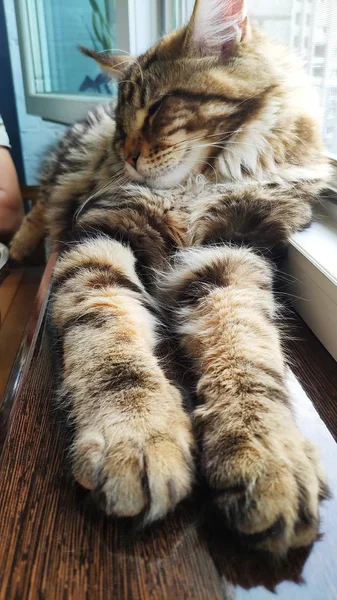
x=132, y=437
x=266, y=477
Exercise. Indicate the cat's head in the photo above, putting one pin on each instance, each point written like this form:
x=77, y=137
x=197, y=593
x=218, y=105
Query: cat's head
x=211, y=97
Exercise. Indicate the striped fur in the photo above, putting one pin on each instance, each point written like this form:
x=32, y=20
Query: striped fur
x=173, y=200
x=260, y=468
x=133, y=440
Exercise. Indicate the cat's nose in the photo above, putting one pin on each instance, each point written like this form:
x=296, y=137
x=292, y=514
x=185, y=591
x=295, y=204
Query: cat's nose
x=132, y=160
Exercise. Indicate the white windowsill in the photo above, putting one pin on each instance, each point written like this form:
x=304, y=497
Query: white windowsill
x=312, y=266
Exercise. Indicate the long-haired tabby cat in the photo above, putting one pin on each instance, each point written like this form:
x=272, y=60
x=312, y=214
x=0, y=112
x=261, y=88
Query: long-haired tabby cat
x=211, y=159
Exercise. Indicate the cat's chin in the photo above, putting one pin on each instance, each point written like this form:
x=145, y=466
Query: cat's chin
x=133, y=174
x=167, y=181
x=174, y=176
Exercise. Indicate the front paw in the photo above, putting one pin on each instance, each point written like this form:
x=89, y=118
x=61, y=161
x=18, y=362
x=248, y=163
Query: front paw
x=139, y=464
x=267, y=486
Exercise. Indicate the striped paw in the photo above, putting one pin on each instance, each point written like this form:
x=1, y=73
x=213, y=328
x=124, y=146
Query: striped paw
x=266, y=487
x=141, y=465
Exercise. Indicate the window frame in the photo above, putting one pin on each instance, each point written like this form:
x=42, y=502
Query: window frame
x=174, y=15
x=67, y=108
x=333, y=181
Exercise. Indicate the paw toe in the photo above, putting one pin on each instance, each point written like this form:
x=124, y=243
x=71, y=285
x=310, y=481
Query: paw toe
x=126, y=494
x=130, y=478
x=170, y=477
x=87, y=457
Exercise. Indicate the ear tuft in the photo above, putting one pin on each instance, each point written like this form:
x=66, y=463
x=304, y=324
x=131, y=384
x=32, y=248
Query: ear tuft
x=113, y=64
x=218, y=26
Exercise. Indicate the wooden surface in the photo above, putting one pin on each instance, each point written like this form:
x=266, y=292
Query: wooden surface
x=317, y=371
x=55, y=545
x=17, y=293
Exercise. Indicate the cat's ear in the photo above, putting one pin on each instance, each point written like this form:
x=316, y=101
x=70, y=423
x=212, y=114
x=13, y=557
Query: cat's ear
x=113, y=64
x=218, y=26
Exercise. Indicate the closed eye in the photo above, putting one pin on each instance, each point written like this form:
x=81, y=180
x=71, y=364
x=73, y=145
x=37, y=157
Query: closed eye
x=155, y=107
x=120, y=135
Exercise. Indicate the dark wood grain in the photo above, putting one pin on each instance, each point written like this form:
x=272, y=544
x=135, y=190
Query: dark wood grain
x=8, y=288
x=17, y=293
x=54, y=544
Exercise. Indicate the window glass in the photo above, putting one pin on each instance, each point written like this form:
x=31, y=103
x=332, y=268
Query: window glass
x=310, y=28
x=56, y=28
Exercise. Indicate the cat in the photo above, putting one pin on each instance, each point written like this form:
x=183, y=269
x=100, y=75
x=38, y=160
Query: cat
x=175, y=200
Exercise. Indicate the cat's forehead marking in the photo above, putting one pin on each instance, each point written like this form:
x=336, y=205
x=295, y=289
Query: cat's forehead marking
x=140, y=118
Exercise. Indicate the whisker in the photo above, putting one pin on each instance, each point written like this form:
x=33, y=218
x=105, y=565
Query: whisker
x=197, y=138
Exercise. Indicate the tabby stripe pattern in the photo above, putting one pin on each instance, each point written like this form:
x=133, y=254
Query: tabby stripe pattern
x=226, y=317
x=177, y=199
x=112, y=376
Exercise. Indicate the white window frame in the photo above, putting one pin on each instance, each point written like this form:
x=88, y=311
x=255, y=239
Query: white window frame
x=138, y=27
x=333, y=161
x=312, y=267
x=176, y=13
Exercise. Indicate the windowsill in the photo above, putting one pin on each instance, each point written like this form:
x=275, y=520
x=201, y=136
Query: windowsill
x=318, y=243
x=312, y=266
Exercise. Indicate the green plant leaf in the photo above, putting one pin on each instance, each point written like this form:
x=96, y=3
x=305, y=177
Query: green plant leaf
x=95, y=27
x=96, y=8
x=93, y=41
x=94, y=5
x=103, y=22
x=106, y=42
x=100, y=25
x=107, y=5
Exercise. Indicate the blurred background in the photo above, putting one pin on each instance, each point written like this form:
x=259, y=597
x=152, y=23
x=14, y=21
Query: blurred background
x=46, y=83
